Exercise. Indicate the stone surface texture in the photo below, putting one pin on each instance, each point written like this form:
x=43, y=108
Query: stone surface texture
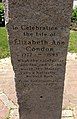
x=38, y=37
x=8, y=96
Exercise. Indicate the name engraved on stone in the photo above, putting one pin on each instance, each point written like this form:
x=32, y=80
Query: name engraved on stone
x=38, y=36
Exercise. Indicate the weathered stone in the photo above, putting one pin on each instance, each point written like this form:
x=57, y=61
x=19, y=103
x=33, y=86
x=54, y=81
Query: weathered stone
x=38, y=37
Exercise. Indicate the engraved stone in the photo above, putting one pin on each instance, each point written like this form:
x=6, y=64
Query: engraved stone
x=38, y=37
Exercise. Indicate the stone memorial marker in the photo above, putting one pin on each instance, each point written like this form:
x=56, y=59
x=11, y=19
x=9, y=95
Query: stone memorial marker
x=38, y=36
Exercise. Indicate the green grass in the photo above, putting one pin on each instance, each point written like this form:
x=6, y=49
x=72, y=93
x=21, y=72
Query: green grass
x=4, y=49
x=73, y=42
x=1, y=6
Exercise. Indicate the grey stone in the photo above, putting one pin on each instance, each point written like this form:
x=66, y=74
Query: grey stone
x=38, y=37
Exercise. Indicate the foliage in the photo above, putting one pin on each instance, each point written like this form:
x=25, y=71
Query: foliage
x=2, y=19
x=1, y=6
x=74, y=15
x=1, y=14
x=1, y=10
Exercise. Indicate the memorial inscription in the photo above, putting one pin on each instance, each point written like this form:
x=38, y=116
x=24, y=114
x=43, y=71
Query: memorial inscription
x=38, y=37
